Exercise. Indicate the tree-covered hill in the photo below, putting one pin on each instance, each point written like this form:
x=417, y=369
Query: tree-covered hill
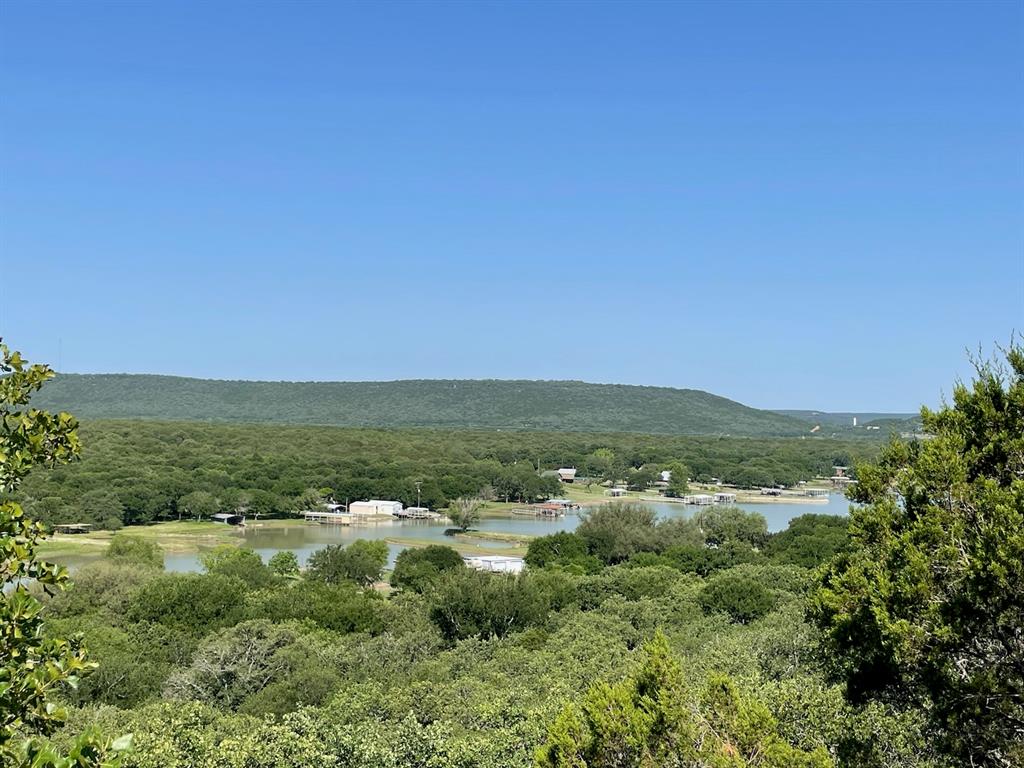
x=538, y=405
x=888, y=421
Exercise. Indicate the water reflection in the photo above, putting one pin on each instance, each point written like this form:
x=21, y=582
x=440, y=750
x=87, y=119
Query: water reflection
x=303, y=540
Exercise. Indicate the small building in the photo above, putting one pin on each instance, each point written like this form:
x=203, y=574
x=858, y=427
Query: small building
x=72, y=527
x=496, y=563
x=375, y=508
x=818, y=493
x=228, y=518
x=331, y=518
x=616, y=492
x=840, y=477
x=725, y=498
x=771, y=491
x=700, y=499
x=417, y=513
x=567, y=474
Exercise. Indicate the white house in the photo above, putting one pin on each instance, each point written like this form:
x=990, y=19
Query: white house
x=374, y=508
x=617, y=492
x=725, y=498
x=567, y=474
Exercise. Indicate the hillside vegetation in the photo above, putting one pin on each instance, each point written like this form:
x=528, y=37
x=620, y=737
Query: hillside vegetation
x=888, y=422
x=139, y=471
x=890, y=639
x=535, y=405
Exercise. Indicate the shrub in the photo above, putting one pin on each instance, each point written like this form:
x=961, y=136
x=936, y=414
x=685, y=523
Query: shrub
x=743, y=598
x=134, y=550
x=417, y=569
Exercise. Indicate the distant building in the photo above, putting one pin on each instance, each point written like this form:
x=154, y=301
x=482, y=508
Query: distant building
x=616, y=492
x=840, y=478
x=417, y=513
x=817, y=493
x=333, y=518
x=725, y=498
x=375, y=508
x=496, y=563
x=562, y=503
x=72, y=527
x=567, y=474
x=700, y=499
x=227, y=518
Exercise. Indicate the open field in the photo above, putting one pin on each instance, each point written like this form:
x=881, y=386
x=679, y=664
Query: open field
x=463, y=544
x=176, y=537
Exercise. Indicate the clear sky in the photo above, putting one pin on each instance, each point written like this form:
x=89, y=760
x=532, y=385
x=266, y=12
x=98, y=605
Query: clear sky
x=804, y=205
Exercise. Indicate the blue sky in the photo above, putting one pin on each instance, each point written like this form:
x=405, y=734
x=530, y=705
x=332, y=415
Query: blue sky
x=805, y=205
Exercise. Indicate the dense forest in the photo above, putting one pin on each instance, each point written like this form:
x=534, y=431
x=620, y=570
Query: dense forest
x=543, y=405
x=136, y=472
x=887, y=640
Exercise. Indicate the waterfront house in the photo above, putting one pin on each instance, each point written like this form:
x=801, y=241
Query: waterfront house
x=375, y=508
x=567, y=474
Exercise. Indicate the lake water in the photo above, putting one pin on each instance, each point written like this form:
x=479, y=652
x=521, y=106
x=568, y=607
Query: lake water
x=303, y=540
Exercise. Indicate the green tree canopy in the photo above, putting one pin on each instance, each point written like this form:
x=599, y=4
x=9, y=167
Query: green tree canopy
x=927, y=607
x=418, y=569
x=361, y=562
x=810, y=540
x=34, y=667
x=615, y=531
x=284, y=563
x=470, y=603
x=732, y=524
x=652, y=718
x=135, y=550
x=465, y=512
x=239, y=563
x=743, y=597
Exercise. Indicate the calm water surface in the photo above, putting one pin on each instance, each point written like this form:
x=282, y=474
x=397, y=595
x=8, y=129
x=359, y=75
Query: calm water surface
x=306, y=539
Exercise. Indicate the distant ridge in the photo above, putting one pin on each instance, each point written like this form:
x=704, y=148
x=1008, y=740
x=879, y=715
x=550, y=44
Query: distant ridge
x=887, y=422
x=486, y=404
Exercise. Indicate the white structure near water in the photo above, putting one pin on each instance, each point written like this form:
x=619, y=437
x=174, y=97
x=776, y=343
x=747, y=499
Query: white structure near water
x=496, y=563
x=700, y=499
x=375, y=508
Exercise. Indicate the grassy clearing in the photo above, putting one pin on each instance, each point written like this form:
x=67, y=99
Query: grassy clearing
x=461, y=546
x=513, y=538
x=177, y=537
